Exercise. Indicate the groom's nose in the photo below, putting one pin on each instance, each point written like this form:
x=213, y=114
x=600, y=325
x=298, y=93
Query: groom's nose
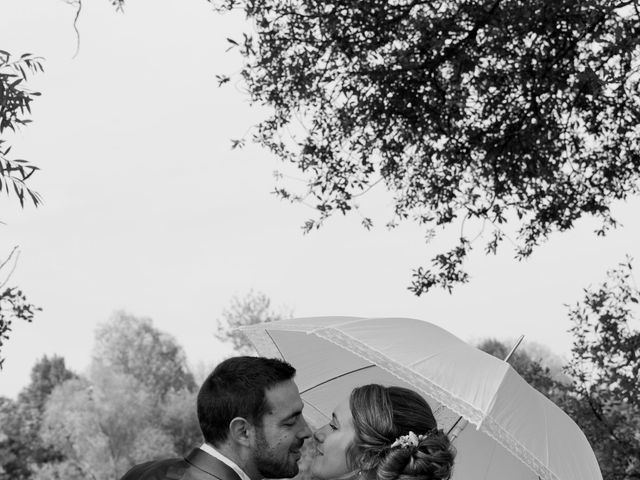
x=305, y=431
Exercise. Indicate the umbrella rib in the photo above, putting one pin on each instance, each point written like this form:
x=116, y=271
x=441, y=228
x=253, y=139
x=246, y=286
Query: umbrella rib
x=274, y=343
x=546, y=430
x=309, y=404
x=455, y=425
x=336, y=377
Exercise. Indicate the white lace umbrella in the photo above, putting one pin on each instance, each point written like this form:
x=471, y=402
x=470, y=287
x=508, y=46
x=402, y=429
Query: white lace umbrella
x=514, y=432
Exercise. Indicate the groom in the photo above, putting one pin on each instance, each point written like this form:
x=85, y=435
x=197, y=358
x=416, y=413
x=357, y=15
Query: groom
x=250, y=414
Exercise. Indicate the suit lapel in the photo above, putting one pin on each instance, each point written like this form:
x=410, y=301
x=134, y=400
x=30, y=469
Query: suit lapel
x=205, y=462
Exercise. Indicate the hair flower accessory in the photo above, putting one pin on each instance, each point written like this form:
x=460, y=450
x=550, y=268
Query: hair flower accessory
x=408, y=441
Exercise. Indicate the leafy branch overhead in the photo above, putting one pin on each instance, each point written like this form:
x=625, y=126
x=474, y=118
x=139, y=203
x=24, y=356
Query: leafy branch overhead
x=13, y=302
x=604, y=333
x=605, y=364
x=15, y=108
x=519, y=114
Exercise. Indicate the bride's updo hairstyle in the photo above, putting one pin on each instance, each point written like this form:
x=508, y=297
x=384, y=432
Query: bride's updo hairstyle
x=381, y=415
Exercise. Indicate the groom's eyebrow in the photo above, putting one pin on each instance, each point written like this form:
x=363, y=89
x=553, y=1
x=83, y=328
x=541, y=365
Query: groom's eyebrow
x=335, y=419
x=293, y=415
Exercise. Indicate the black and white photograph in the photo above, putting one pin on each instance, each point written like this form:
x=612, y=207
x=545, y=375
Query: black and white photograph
x=319, y=240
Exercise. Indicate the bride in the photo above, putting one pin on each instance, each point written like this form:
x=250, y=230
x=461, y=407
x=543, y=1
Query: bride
x=382, y=433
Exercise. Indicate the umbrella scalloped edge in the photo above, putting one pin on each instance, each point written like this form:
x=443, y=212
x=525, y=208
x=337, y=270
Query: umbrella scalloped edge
x=462, y=408
x=500, y=435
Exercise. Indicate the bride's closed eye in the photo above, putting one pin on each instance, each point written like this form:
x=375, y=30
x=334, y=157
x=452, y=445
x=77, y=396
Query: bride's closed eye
x=332, y=426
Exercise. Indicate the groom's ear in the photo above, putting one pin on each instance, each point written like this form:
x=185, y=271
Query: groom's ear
x=241, y=431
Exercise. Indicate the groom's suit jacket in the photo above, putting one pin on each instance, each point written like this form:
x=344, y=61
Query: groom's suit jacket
x=198, y=465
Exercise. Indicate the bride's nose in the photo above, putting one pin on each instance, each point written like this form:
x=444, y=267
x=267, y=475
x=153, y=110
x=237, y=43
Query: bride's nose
x=319, y=435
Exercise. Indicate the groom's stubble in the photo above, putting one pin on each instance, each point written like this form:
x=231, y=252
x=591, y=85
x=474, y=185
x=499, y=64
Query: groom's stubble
x=272, y=461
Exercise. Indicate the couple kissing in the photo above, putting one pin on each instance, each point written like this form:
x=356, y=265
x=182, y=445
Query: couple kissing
x=250, y=414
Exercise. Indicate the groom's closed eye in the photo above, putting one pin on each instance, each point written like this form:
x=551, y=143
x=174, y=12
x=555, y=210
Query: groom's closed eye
x=291, y=420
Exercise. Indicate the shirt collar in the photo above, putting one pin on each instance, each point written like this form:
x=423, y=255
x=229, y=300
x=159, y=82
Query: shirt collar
x=216, y=454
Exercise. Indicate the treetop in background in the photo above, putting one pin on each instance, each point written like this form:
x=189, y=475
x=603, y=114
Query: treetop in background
x=252, y=308
x=133, y=346
x=511, y=113
x=21, y=449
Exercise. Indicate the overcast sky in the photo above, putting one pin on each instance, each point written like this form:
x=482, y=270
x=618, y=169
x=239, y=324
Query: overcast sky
x=147, y=209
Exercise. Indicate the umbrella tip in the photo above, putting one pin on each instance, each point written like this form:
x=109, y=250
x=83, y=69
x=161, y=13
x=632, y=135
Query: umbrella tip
x=518, y=342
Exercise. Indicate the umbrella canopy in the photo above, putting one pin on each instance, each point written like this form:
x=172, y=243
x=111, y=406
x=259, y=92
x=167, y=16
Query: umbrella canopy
x=516, y=432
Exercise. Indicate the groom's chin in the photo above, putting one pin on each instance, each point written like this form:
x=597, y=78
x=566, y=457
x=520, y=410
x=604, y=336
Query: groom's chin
x=293, y=470
x=288, y=471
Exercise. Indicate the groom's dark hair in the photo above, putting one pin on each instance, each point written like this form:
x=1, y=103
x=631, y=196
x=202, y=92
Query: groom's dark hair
x=236, y=388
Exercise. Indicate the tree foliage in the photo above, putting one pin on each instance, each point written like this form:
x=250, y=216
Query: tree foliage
x=63, y=470
x=519, y=114
x=540, y=373
x=605, y=364
x=179, y=420
x=22, y=451
x=105, y=426
x=15, y=109
x=253, y=308
x=133, y=346
x=13, y=306
x=119, y=4
x=137, y=404
x=46, y=374
x=13, y=302
x=600, y=388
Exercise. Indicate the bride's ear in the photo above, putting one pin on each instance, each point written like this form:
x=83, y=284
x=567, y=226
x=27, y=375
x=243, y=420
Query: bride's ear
x=241, y=431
